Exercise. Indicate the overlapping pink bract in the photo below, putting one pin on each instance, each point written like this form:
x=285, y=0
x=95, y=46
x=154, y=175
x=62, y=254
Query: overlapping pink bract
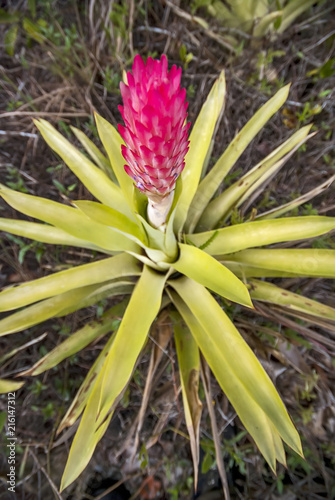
x=154, y=113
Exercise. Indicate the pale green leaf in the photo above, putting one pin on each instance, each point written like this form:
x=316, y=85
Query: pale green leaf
x=94, y=153
x=268, y=292
x=251, y=414
x=105, y=290
x=44, y=233
x=119, y=266
x=220, y=207
x=71, y=220
x=112, y=142
x=90, y=175
x=259, y=233
x=265, y=24
x=110, y=217
x=200, y=140
x=311, y=262
x=78, y=340
x=117, y=369
x=9, y=386
x=80, y=400
x=37, y=313
x=291, y=205
x=170, y=242
x=259, y=180
x=155, y=237
x=237, y=369
x=78, y=460
x=207, y=271
x=244, y=271
x=142, y=310
x=214, y=178
x=189, y=367
x=292, y=10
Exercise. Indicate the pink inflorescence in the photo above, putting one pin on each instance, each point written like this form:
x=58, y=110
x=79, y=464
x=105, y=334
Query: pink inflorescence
x=154, y=113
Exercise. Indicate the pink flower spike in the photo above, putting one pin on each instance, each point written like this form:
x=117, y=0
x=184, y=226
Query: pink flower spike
x=155, y=131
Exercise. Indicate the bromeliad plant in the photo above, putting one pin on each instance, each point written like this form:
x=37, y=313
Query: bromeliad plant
x=255, y=17
x=164, y=232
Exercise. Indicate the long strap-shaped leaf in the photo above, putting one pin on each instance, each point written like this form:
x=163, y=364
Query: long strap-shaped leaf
x=292, y=10
x=9, y=386
x=103, y=291
x=266, y=24
x=85, y=390
x=200, y=140
x=300, y=262
x=204, y=269
x=258, y=233
x=117, y=369
x=44, y=233
x=37, y=313
x=94, y=153
x=87, y=274
x=220, y=208
x=189, y=368
x=71, y=220
x=244, y=271
x=112, y=142
x=90, y=175
x=236, y=367
x=259, y=182
x=291, y=205
x=112, y=218
x=268, y=292
x=78, y=340
x=213, y=179
x=251, y=414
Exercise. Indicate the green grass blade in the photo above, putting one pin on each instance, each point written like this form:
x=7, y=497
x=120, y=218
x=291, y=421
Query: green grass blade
x=90, y=175
x=204, y=269
x=119, y=266
x=200, y=140
x=259, y=233
x=214, y=178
